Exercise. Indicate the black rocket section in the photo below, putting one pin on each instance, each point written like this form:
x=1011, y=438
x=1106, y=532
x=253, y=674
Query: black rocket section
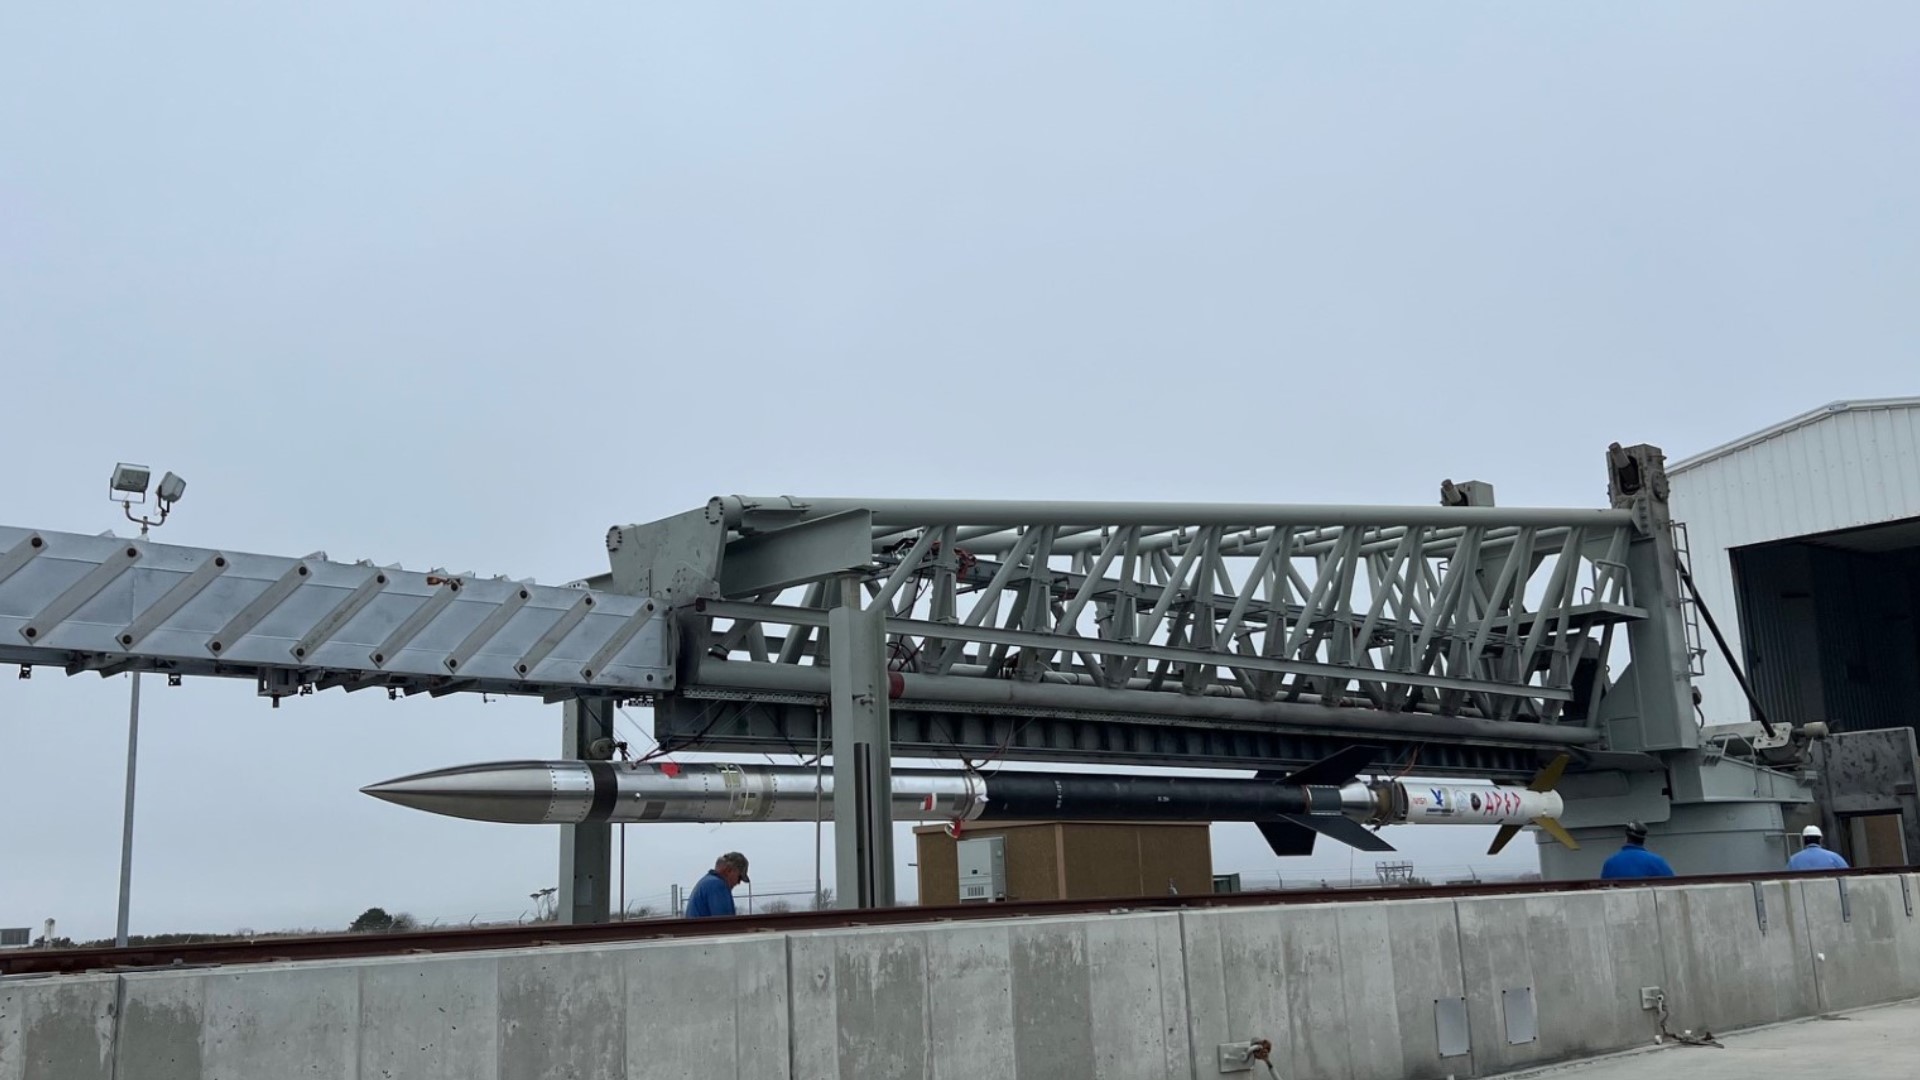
x=1291, y=809
x=1045, y=796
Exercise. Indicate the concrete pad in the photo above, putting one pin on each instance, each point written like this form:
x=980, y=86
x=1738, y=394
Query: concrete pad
x=162, y=1024
x=435, y=1019
x=1138, y=993
x=1272, y=973
x=13, y=1003
x=1869, y=1043
x=708, y=1009
x=1857, y=945
x=859, y=1001
x=1723, y=970
x=58, y=1028
x=563, y=1014
x=970, y=996
x=1590, y=955
x=1423, y=940
x=296, y=1020
x=1494, y=959
x=1052, y=998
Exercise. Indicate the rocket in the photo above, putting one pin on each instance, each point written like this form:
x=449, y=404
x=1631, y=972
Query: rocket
x=1291, y=809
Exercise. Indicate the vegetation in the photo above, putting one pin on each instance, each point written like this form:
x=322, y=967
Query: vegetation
x=376, y=921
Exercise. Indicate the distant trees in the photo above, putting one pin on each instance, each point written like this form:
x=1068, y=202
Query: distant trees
x=779, y=907
x=823, y=900
x=372, y=921
x=376, y=921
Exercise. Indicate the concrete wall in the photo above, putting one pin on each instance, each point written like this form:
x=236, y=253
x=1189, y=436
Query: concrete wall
x=1346, y=991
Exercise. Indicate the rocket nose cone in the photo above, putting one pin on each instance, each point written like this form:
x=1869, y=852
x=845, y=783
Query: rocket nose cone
x=514, y=792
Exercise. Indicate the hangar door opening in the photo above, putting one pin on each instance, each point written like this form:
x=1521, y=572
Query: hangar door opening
x=1828, y=624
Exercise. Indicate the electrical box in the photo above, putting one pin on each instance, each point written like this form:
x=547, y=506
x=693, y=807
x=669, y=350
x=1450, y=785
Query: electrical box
x=983, y=869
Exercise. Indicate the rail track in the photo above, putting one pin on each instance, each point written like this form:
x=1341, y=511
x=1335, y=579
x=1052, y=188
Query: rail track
x=41, y=962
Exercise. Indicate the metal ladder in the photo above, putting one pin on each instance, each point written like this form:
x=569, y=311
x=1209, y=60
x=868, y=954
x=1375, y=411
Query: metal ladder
x=1689, y=610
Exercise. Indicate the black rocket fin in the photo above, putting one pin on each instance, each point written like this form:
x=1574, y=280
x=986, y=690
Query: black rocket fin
x=1328, y=771
x=1286, y=838
x=1506, y=833
x=1344, y=829
x=1294, y=834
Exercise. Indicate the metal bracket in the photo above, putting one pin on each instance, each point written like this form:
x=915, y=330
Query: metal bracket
x=1846, y=902
x=1760, y=907
x=1906, y=894
x=1237, y=1056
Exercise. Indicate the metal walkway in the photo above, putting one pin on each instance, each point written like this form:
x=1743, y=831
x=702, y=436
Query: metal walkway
x=96, y=603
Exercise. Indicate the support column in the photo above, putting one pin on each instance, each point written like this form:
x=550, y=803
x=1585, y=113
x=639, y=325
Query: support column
x=586, y=851
x=862, y=755
x=1661, y=674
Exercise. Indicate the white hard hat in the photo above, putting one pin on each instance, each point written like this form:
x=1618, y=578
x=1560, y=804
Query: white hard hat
x=1811, y=832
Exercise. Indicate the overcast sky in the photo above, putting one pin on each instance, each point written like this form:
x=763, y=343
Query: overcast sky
x=462, y=285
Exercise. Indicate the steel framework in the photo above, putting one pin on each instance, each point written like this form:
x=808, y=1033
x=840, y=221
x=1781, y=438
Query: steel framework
x=1469, y=625
x=1472, y=639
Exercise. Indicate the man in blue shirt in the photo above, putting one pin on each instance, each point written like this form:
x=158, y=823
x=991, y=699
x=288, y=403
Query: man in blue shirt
x=1633, y=860
x=1812, y=856
x=713, y=894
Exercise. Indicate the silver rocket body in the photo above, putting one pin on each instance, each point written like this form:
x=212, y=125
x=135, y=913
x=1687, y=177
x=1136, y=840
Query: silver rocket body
x=572, y=792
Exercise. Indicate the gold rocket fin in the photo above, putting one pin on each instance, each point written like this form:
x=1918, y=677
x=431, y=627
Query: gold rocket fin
x=1554, y=829
x=1547, y=778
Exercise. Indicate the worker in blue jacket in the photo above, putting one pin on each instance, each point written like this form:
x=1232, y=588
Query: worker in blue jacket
x=713, y=893
x=1633, y=860
x=1812, y=856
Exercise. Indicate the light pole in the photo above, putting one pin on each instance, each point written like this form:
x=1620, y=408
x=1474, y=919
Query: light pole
x=129, y=486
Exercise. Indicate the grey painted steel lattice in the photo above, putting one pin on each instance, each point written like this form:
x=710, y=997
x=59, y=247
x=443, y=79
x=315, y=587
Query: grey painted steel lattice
x=96, y=603
x=1445, y=623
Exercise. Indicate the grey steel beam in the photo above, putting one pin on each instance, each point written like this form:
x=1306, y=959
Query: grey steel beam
x=760, y=514
x=789, y=725
x=911, y=688
x=862, y=755
x=586, y=851
x=812, y=550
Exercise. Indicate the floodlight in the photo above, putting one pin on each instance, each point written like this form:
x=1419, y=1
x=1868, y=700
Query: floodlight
x=171, y=488
x=131, y=479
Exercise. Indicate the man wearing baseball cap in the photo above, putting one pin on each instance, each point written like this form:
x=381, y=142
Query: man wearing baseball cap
x=713, y=894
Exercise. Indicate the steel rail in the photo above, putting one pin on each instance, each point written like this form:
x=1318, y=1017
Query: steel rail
x=45, y=962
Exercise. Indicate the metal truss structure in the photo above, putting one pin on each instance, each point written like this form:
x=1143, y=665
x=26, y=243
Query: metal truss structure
x=1462, y=638
x=1204, y=635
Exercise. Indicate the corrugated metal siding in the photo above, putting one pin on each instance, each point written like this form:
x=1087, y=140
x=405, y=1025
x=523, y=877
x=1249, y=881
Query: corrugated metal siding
x=1821, y=473
x=1867, y=649
x=1779, y=636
